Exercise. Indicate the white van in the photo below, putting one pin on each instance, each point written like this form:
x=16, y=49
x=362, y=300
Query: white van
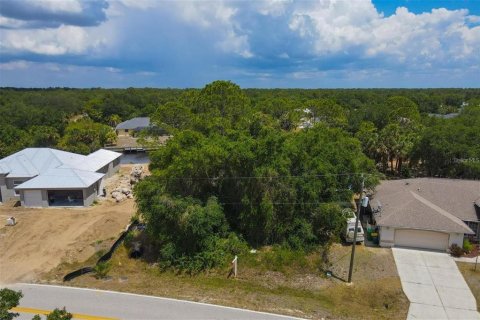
x=350, y=229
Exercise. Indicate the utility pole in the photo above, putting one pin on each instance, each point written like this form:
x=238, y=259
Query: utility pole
x=359, y=206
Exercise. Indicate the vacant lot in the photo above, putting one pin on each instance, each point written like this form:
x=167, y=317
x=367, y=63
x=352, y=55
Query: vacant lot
x=285, y=283
x=43, y=238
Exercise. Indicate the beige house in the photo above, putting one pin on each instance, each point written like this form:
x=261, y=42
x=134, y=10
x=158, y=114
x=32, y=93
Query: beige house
x=428, y=213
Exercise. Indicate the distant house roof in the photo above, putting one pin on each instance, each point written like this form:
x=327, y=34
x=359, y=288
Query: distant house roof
x=444, y=116
x=427, y=203
x=51, y=168
x=134, y=124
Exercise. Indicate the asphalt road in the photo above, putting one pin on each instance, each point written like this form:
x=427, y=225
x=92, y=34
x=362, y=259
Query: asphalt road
x=91, y=304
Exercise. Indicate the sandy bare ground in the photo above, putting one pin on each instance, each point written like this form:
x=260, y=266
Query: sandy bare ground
x=43, y=238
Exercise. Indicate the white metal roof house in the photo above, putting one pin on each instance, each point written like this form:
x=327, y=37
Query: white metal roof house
x=429, y=213
x=43, y=177
x=130, y=127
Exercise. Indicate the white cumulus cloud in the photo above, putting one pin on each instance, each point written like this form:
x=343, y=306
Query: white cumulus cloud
x=60, y=41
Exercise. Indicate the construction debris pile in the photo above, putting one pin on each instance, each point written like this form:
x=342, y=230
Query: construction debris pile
x=124, y=188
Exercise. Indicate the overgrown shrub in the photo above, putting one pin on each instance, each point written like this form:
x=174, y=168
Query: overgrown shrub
x=281, y=257
x=467, y=246
x=102, y=269
x=455, y=250
x=59, y=314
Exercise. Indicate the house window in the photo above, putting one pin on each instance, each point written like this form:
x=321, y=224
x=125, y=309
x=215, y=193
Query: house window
x=15, y=184
x=474, y=226
x=126, y=130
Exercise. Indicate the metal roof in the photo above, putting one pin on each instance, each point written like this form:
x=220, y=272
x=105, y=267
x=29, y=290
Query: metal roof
x=94, y=161
x=62, y=178
x=135, y=123
x=428, y=203
x=51, y=168
x=4, y=169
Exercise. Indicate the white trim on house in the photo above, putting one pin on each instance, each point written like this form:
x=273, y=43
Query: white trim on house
x=28, y=174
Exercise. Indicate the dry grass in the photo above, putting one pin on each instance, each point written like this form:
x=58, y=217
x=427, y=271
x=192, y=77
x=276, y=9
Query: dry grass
x=299, y=289
x=472, y=277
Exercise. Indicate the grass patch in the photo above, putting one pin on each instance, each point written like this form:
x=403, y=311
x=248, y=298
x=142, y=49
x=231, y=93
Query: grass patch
x=273, y=280
x=472, y=278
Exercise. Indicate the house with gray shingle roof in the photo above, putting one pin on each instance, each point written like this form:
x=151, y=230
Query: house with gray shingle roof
x=132, y=126
x=43, y=177
x=430, y=213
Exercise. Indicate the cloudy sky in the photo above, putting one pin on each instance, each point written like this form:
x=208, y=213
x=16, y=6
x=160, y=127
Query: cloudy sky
x=276, y=43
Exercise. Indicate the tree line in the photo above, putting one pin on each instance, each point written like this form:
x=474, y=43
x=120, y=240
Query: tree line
x=254, y=167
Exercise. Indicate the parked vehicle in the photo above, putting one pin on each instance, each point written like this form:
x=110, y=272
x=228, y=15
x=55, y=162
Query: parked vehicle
x=350, y=230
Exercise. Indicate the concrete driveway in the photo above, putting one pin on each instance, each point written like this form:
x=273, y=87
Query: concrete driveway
x=434, y=285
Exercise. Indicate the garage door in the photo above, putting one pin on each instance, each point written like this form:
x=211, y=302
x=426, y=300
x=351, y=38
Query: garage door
x=32, y=198
x=421, y=239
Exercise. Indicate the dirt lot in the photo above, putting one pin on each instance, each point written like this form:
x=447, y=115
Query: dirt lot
x=43, y=238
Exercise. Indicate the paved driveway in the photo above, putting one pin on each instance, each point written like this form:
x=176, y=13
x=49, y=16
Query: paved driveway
x=434, y=285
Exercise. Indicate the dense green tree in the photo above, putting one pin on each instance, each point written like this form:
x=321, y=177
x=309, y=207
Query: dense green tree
x=12, y=140
x=43, y=136
x=9, y=299
x=369, y=137
x=85, y=136
x=59, y=314
x=173, y=116
x=402, y=109
x=285, y=111
x=450, y=147
x=328, y=112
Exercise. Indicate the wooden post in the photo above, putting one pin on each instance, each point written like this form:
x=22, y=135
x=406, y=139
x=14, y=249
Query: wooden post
x=234, y=266
x=476, y=261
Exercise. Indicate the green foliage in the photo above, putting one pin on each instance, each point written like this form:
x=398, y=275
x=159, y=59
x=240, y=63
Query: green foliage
x=8, y=300
x=85, y=136
x=173, y=116
x=328, y=112
x=402, y=109
x=102, y=269
x=43, y=136
x=450, y=147
x=37, y=317
x=59, y=314
x=279, y=258
x=191, y=236
x=467, y=246
x=249, y=173
x=12, y=139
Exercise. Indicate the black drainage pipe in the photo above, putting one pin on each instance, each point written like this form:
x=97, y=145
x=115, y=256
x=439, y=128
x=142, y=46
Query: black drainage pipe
x=107, y=256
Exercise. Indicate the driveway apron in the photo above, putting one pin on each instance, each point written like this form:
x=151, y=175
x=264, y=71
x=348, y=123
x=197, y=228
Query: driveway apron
x=434, y=285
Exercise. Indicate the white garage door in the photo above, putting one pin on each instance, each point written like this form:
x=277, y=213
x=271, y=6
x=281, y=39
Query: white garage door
x=32, y=198
x=421, y=239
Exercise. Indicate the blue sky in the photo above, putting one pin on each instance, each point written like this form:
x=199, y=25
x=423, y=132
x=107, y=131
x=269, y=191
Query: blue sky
x=300, y=44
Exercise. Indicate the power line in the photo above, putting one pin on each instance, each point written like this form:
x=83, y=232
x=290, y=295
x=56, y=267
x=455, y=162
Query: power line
x=280, y=203
x=265, y=177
